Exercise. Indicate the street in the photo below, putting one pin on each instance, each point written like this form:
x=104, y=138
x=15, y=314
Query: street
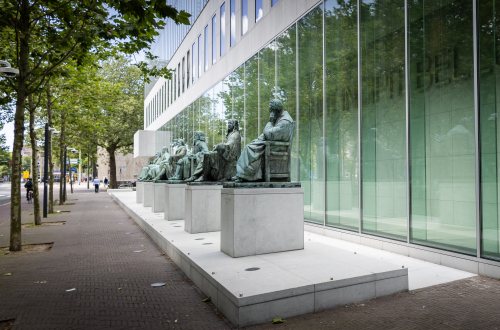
x=4, y=193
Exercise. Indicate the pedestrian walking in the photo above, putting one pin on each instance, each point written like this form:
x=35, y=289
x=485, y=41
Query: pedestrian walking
x=106, y=181
x=96, y=184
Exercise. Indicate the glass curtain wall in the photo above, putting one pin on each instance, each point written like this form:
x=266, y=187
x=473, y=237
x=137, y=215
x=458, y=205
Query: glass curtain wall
x=317, y=78
x=311, y=142
x=442, y=141
x=341, y=100
x=383, y=118
x=489, y=91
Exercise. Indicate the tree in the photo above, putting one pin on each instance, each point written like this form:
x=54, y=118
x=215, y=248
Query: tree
x=41, y=36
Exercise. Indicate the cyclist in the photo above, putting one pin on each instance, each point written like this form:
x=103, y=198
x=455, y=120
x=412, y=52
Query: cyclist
x=29, y=187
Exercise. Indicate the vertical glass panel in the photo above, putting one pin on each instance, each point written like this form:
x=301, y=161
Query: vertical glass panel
x=205, y=45
x=341, y=52
x=232, y=8
x=259, y=10
x=236, y=89
x=188, y=68
x=205, y=113
x=273, y=2
x=267, y=77
x=179, y=79
x=194, y=62
x=442, y=143
x=244, y=16
x=489, y=108
x=214, y=39
x=251, y=100
x=200, y=61
x=310, y=38
x=183, y=79
x=286, y=73
x=222, y=25
x=383, y=130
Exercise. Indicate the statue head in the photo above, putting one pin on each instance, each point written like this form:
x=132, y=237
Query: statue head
x=232, y=125
x=199, y=136
x=275, y=109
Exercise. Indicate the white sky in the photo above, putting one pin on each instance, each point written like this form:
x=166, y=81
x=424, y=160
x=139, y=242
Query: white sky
x=8, y=130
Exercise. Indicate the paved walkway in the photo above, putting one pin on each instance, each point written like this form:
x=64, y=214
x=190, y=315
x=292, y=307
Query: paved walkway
x=110, y=263
x=94, y=254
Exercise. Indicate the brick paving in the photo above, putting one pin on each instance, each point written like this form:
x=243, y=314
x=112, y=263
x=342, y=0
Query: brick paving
x=94, y=253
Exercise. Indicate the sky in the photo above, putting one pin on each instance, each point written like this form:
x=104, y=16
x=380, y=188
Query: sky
x=8, y=130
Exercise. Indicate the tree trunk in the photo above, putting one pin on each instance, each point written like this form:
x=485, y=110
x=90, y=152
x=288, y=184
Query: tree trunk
x=49, y=146
x=62, y=179
x=15, y=206
x=112, y=168
x=34, y=163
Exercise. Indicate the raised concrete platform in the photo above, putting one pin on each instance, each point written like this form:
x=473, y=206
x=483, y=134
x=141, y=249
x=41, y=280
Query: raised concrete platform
x=175, y=199
x=139, y=192
x=261, y=220
x=254, y=289
x=148, y=194
x=203, y=207
x=159, y=196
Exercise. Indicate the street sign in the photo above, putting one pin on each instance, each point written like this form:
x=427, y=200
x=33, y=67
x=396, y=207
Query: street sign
x=73, y=160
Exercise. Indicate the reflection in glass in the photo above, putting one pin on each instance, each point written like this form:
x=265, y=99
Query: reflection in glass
x=311, y=143
x=200, y=61
x=214, y=39
x=267, y=76
x=205, y=45
x=244, y=16
x=251, y=100
x=383, y=130
x=222, y=38
x=273, y=2
x=232, y=9
x=194, y=62
x=259, y=11
x=286, y=75
x=489, y=45
x=442, y=143
x=342, y=184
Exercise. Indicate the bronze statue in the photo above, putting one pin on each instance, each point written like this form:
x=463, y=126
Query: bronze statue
x=220, y=164
x=279, y=128
x=158, y=167
x=183, y=167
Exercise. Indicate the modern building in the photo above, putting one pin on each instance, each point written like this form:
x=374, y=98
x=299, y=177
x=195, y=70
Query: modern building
x=395, y=103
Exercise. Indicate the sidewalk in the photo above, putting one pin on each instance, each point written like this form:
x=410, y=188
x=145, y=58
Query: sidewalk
x=111, y=264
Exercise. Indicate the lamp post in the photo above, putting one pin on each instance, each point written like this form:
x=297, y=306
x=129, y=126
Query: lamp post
x=7, y=70
x=48, y=130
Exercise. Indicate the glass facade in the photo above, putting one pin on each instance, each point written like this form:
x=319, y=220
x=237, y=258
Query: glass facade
x=214, y=39
x=396, y=129
x=259, y=10
x=244, y=16
x=222, y=24
x=232, y=23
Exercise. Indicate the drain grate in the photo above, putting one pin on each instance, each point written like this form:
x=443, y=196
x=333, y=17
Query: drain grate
x=199, y=239
x=207, y=243
x=252, y=269
x=177, y=226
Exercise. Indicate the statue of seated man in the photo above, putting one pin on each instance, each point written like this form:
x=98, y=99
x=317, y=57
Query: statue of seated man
x=163, y=169
x=183, y=168
x=220, y=164
x=144, y=174
x=279, y=128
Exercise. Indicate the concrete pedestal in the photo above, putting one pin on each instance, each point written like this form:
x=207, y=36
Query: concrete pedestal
x=202, y=208
x=139, y=192
x=261, y=220
x=148, y=194
x=175, y=199
x=159, y=200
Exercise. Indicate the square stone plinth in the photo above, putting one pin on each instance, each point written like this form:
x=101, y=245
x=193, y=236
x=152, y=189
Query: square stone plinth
x=175, y=200
x=148, y=194
x=261, y=220
x=202, y=208
x=139, y=192
x=159, y=196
